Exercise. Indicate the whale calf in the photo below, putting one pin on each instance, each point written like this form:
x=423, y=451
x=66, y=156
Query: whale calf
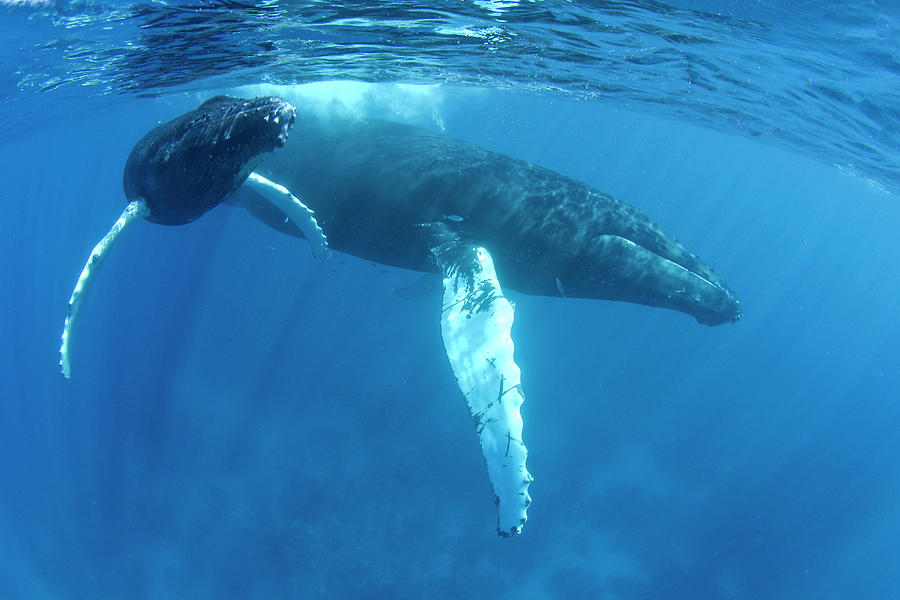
x=183, y=168
x=402, y=196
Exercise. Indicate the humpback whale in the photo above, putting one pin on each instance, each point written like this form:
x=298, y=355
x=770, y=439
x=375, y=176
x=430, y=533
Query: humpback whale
x=381, y=189
x=402, y=196
x=183, y=168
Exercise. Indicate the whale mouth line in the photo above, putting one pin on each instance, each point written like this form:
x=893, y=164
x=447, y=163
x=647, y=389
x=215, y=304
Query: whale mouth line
x=672, y=262
x=685, y=288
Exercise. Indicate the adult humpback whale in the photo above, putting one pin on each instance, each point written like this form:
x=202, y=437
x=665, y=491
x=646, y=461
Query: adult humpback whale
x=381, y=190
x=402, y=196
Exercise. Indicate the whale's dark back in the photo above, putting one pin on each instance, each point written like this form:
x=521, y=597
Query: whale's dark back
x=186, y=166
x=376, y=185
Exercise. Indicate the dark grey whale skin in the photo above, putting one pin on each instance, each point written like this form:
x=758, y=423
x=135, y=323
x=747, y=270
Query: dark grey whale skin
x=375, y=187
x=186, y=166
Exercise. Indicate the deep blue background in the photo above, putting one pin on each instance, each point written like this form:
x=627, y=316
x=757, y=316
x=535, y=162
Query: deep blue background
x=245, y=422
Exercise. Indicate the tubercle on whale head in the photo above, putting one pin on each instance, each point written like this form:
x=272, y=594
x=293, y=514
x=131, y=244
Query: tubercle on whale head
x=186, y=166
x=261, y=123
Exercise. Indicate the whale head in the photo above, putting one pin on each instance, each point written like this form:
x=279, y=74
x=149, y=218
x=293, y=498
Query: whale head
x=659, y=272
x=186, y=166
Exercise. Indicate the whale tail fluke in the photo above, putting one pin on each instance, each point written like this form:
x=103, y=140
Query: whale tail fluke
x=136, y=209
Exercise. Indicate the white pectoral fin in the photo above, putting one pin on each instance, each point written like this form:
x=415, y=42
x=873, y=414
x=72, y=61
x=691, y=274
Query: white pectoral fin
x=294, y=209
x=135, y=210
x=476, y=321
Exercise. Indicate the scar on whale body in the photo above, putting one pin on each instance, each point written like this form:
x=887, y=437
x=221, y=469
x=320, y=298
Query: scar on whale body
x=402, y=196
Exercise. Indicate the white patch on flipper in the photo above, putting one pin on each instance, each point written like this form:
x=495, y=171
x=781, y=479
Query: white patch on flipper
x=294, y=209
x=476, y=321
x=135, y=210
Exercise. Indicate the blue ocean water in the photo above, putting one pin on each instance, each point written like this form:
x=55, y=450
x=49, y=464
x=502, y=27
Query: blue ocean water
x=246, y=422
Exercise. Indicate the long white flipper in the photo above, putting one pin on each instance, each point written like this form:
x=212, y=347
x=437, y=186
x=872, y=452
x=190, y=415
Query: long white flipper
x=295, y=210
x=135, y=210
x=476, y=321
